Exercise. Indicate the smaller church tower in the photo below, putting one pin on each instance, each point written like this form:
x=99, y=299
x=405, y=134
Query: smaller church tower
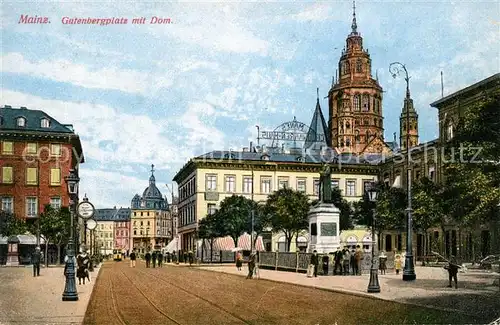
x=408, y=123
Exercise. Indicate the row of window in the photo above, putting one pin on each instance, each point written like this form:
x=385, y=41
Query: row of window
x=21, y=122
x=31, y=148
x=187, y=215
x=31, y=176
x=366, y=121
x=147, y=233
x=31, y=204
x=266, y=184
x=164, y=223
x=345, y=67
x=187, y=189
x=359, y=103
x=147, y=213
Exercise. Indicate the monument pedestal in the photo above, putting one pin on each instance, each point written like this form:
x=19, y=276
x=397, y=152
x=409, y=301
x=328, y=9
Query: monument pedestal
x=324, y=219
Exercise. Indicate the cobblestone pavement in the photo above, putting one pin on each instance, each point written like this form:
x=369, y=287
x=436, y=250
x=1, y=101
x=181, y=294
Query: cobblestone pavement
x=476, y=294
x=25, y=299
x=191, y=295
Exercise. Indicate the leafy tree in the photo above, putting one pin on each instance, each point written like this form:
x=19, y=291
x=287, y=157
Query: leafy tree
x=390, y=208
x=288, y=210
x=54, y=227
x=209, y=230
x=261, y=220
x=427, y=206
x=234, y=212
x=11, y=225
x=472, y=168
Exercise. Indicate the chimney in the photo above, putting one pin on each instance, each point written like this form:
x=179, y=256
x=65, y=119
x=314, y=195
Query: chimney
x=251, y=146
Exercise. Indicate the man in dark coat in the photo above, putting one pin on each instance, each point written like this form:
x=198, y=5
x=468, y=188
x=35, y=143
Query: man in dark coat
x=36, y=257
x=148, y=258
x=452, y=268
x=252, y=260
x=338, y=261
x=315, y=262
x=132, y=259
x=160, y=258
x=153, y=257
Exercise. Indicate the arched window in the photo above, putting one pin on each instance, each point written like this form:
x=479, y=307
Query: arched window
x=339, y=103
x=367, y=135
x=375, y=121
x=342, y=142
x=348, y=125
x=348, y=142
x=21, y=121
x=359, y=66
x=356, y=122
x=366, y=102
x=347, y=67
x=366, y=122
x=357, y=103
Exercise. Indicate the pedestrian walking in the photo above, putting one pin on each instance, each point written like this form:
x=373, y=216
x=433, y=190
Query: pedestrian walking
x=397, y=263
x=452, y=268
x=315, y=262
x=185, y=256
x=148, y=258
x=382, y=262
x=358, y=256
x=346, y=259
x=153, y=257
x=36, y=258
x=160, y=259
x=191, y=258
x=239, y=261
x=337, y=257
x=251, y=265
x=82, y=271
x=132, y=258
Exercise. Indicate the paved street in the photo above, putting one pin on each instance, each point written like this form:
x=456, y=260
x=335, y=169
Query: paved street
x=29, y=300
x=191, y=295
x=476, y=294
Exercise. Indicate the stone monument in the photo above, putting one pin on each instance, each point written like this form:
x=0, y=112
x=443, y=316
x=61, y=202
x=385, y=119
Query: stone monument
x=324, y=217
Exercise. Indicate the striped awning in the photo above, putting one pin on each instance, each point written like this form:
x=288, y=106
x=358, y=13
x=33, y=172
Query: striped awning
x=227, y=243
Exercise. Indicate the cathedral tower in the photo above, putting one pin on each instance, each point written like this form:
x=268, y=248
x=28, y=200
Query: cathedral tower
x=408, y=123
x=355, y=100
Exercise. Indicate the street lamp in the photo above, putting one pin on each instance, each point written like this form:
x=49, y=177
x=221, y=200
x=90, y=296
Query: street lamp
x=373, y=285
x=409, y=271
x=70, y=293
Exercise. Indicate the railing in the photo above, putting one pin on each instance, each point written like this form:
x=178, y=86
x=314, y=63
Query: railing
x=298, y=262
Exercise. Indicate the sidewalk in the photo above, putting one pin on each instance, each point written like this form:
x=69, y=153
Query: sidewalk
x=25, y=299
x=475, y=290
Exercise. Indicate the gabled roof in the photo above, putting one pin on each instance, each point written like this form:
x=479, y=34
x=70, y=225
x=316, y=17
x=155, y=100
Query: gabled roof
x=33, y=118
x=317, y=136
x=114, y=214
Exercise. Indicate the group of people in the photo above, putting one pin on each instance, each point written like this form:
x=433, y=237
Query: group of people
x=155, y=256
x=346, y=262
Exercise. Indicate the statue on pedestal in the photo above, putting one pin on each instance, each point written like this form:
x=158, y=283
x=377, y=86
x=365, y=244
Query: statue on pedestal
x=325, y=184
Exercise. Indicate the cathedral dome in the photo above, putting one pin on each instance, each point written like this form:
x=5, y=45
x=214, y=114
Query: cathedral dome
x=152, y=192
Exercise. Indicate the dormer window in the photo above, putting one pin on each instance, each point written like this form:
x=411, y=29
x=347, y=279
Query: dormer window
x=21, y=121
x=44, y=123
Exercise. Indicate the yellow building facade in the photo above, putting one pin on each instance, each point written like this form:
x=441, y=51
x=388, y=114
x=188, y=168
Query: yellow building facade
x=207, y=180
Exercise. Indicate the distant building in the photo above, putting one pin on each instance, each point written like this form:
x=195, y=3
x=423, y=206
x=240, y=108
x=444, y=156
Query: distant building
x=36, y=153
x=151, y=222
x=113, y=229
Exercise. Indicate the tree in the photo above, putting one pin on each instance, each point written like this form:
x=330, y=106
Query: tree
x=261, y=220
x=209, y=230
x=234, y=213
x=427, y=207
x=11, y=225
x=54, y=227
x=288, y=210
x=472, y=168
x=390, y=208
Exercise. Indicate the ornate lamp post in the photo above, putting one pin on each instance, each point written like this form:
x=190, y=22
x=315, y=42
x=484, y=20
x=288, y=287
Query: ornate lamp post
x=70, y=293
x=409, y=271
x=373, y=286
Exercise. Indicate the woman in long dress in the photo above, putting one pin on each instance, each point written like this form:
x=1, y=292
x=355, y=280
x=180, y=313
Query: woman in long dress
x=239, y=261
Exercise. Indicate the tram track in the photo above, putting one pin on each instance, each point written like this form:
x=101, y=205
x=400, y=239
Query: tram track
x=207, y=301
x=114, y=302
x=155, y=306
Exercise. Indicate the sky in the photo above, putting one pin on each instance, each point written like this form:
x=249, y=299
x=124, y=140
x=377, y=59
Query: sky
x=142, y=94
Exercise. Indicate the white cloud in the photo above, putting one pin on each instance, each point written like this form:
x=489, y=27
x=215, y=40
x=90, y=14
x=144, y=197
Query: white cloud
x=109, y=136
x=126, y=80
x=315, y=12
